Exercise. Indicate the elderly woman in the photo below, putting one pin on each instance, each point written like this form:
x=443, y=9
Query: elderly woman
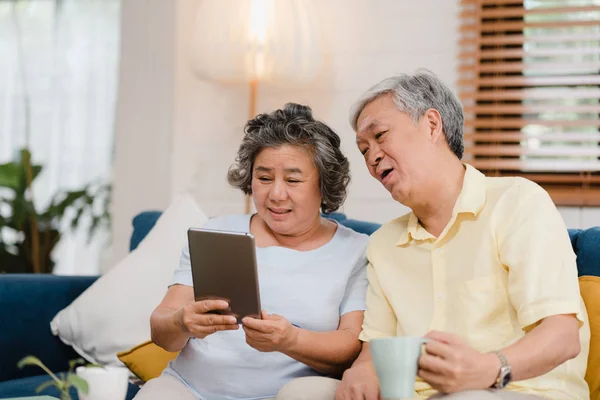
x=311, y=273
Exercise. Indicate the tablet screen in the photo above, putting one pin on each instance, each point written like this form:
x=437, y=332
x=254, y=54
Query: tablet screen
x=224, y=267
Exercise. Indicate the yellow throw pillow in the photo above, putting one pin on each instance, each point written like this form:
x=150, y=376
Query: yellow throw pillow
x=590, y=291
x=147, y=360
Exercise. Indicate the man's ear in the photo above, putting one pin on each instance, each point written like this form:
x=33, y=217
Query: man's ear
x=434, y=124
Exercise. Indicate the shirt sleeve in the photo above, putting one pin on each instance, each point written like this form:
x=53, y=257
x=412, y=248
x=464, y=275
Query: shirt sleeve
x=380, y=319
x=356, y=288
x=542, y=271
x=183, y=272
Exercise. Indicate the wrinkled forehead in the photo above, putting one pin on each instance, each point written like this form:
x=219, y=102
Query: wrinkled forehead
x=375, y=113
x=365, y=123
x=366, y=126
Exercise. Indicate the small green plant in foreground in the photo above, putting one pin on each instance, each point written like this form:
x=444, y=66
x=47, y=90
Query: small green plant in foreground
x=62, y=381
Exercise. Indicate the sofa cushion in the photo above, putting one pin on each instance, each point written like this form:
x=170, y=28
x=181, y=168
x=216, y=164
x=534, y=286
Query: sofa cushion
x=146, y=361
x=586, y=244
x=26, y=387
x=142, y=224
x=145, y=221
x=27, y=320
x=113, y=314
x=590, y=291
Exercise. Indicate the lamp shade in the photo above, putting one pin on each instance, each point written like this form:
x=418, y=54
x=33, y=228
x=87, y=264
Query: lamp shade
x=241, y=41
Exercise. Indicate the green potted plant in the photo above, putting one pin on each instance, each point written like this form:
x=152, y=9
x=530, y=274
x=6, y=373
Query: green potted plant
x=32, y=233
x=63, y=382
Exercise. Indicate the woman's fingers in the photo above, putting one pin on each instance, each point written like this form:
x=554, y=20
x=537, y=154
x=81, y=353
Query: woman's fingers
x=204, y=306
x=215, y=319
x=208, y=320
x=205, y=330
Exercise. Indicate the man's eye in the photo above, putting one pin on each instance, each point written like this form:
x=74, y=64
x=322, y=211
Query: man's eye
x=293, y=181
x=364, y=151
x=378, y=135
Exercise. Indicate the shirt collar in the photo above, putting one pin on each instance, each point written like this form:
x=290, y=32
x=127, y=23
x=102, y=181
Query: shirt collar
x=471, y=200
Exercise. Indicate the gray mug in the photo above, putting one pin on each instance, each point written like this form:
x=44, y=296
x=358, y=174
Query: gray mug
x=396, y=361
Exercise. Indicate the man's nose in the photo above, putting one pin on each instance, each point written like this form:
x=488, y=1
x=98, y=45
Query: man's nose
x=375, y=157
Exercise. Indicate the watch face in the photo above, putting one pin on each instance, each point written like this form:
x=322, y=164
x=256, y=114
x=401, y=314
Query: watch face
x=506, y=378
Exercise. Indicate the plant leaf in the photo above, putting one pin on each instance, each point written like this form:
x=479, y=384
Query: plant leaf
x=57, y=210
x=79, y=383
x=75, y=220
x=32, y=360
x=44, y=386
x=29, y=360
x=10, y=175
x=76, y=362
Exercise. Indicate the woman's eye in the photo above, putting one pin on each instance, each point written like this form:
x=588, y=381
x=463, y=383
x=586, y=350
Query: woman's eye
x=264, y=179
x=293, y=181
x=364, y=151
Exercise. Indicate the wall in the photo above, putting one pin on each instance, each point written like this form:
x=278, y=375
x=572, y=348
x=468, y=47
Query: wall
x=144, y=123
x=362, y=44
x=177, y=134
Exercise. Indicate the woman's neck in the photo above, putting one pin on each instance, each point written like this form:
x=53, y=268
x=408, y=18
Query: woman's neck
x=314, y=235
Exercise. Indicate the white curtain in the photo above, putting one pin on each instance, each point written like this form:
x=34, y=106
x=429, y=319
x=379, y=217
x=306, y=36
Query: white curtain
x=58, y=85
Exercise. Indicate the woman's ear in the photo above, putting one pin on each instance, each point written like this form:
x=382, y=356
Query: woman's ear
x=434, y=124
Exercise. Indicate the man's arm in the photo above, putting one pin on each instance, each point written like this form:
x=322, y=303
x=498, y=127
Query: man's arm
x=450, y=365
x=551, y=343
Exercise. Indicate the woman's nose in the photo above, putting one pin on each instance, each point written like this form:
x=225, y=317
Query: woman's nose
x=278, y=191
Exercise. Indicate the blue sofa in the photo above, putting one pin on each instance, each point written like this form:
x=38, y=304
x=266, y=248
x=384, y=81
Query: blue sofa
x=29, y=302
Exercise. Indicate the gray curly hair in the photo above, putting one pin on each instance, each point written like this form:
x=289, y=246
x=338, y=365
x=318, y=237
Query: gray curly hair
x=294, y=125
x=416, y=94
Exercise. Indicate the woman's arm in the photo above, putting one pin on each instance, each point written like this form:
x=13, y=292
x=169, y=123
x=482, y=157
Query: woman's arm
x=360, y=381
x=330, y=353
x=165, y=329
x=178, y=317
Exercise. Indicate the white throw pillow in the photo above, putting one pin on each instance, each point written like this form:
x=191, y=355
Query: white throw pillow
x=113, y=314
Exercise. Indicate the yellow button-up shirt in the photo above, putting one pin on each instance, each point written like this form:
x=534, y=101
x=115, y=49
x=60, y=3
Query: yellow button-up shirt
x=502, y=264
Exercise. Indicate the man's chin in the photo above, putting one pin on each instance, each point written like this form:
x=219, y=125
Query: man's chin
x=398, y=196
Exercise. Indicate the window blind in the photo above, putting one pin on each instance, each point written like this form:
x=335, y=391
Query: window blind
x=529, y=80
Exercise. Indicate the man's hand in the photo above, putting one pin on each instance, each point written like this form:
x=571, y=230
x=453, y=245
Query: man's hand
x=195, y=319
x=359, y=383
x=271, y=333
x=450, y=365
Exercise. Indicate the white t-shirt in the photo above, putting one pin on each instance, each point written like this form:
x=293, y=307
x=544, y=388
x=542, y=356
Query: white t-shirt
x=312, y=289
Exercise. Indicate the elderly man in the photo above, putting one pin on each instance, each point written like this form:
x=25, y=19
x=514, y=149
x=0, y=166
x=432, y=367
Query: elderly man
x=481, y=266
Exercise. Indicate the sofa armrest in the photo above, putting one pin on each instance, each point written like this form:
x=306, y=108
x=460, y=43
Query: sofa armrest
x=28, y=302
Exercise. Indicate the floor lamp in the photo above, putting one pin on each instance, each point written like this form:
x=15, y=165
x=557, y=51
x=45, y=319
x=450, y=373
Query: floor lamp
x=254, y=41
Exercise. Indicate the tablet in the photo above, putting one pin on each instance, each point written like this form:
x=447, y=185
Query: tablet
x=224, y=267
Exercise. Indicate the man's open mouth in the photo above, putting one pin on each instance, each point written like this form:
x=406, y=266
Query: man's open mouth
x=386, y=173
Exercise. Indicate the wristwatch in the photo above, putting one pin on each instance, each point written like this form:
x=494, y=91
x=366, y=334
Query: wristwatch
x=505, y=375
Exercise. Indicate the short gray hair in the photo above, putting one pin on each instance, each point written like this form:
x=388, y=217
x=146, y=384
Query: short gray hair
x=294, y=125
x=414, y=95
